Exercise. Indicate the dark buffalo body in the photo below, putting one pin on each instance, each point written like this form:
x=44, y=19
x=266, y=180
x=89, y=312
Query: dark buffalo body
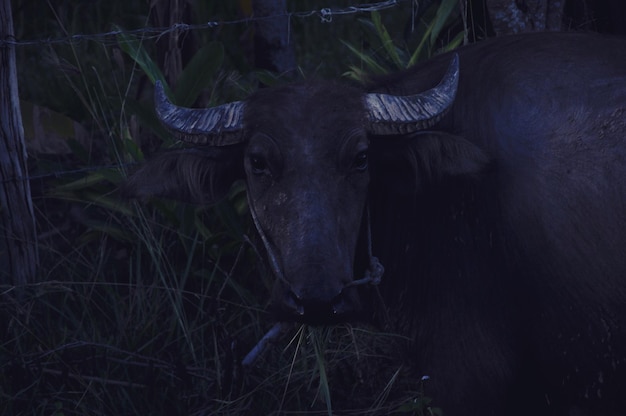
x=501, y=226
x=518, y=273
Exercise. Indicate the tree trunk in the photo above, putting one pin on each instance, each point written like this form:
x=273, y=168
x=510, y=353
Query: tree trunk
x=18, y=239
x=517, y=16
x=272, y=49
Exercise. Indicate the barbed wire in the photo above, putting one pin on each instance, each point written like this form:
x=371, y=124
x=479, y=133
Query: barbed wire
x=325, y=15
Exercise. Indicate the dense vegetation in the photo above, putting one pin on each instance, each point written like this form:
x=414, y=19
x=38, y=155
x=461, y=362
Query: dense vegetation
x=149, y=308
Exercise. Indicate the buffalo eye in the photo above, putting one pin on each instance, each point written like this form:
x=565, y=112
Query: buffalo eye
x=360, y=161
x=258, y=165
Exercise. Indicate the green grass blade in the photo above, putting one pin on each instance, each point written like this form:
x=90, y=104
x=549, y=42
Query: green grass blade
x=418, y=51
x=369, y=62
x=386, y=40
x=134, y=48
x=441, y=18
x=198, y=73
x=455, y=42
x=316, y=335
x=85, y=182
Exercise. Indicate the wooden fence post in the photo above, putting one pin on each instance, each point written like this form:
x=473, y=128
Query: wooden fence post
x=18, y=239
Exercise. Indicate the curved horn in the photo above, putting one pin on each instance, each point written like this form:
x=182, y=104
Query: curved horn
x=217, y=126
x=392, y=114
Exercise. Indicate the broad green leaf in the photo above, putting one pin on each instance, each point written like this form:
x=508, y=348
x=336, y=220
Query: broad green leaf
x=443, y=13
x=367, y=60
x=356, y=74
x=418, y=51
x=97, y=228
x=229, y=217
x=388, y=44
x=437, y=18
x=47, y=121
x=113, y=175
x=133, y=47
x=131, y=148
x=201, y=227
x=148, y=118
x=110, y=203
x=167, y=209
x=455, y=42
x=267, y=78
x=82, y=183
x=237, y=195
x=198, y=73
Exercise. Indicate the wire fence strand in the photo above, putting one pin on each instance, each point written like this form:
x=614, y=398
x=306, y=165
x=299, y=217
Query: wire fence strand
x=111, y=37
x=325, y=15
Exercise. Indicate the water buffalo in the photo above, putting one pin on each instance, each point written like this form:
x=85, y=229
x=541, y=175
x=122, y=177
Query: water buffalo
x=491, y=185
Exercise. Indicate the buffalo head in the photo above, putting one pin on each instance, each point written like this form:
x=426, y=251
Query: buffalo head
x=305, y=162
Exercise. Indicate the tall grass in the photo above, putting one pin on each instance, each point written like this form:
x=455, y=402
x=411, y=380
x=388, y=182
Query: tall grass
x=149, y=308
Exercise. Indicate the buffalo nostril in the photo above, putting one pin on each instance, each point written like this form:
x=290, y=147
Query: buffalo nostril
x=295, y=302
x=316, y=308
x=338, y=307
x=339, y=304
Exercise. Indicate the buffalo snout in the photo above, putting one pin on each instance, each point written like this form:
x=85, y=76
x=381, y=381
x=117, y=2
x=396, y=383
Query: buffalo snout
x=316, y=302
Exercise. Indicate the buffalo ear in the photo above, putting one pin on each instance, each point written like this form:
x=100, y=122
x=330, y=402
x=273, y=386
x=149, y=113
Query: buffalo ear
x=197, y=176
x=424, y=159
x=439, y=155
